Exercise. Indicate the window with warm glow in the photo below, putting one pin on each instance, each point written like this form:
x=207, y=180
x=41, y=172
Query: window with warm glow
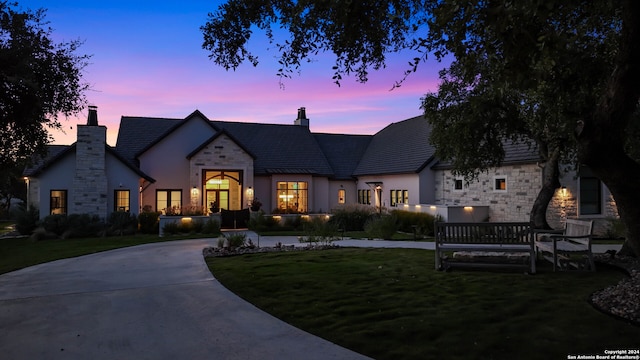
x=122, y=200
x=500, y=184
x=292, y=196
x=58, y=202
x=342, y=194
x=169, y=201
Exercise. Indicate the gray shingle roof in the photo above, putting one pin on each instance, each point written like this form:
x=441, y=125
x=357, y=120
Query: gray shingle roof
x=40, y=163
x=519, y=152
x=277, y=148
x=343, y=152
x=280, y=148
x=401, y=147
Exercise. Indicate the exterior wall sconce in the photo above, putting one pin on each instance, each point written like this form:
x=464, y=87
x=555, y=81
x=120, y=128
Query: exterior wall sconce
x=564, y=191
x=194, y=191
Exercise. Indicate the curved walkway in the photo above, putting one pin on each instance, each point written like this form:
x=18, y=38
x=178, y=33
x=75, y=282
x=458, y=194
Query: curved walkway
x=154, y=301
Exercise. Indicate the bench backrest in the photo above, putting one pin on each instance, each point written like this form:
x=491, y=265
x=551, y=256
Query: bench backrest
x=483, y=233
x=576, y=227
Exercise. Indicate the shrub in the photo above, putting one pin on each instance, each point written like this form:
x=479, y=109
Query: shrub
x=56, y=224
x=171, y=228
x=321, y=231
x=259, y=222
x=352, y=217
x=82, y=225
x=211, y=226
x=235, y=240
x=197, y=226
x=615, y=230
x=122, y=223
x=27, y=219
x=381, y=227
x=407, y=219
x=149, y=222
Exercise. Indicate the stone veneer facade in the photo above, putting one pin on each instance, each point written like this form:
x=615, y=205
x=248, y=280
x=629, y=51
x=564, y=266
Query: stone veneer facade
x=89, y=192
x=514, y=204
x=221, y=154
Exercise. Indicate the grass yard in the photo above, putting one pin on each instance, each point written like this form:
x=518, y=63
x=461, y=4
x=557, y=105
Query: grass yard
x=392, y=304
x=23, y=252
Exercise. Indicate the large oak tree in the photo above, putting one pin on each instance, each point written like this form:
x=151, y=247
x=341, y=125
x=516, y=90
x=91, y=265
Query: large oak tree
x=40, y=80
x=564, y=75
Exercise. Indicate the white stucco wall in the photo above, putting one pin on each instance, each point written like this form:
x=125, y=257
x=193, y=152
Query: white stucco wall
x=121, y=177
x=350, y=189
x=59, y=176
x=409, y=182
x=167, y=161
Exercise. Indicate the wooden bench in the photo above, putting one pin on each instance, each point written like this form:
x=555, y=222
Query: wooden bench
x=489, y=244
x=574, y=240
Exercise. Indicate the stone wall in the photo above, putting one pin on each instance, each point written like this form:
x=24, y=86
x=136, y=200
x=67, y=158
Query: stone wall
x=512, y=204
x=89, y=192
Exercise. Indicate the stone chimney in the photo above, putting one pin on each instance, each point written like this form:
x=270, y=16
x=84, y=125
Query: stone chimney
x=302, y=118
x=89, y=193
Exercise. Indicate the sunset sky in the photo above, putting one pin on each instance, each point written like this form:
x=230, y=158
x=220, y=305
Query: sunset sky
x=147, y=60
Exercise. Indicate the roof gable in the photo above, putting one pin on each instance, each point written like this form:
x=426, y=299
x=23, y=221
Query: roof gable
x=213, y=138
x=57, y=152
x=401, y=147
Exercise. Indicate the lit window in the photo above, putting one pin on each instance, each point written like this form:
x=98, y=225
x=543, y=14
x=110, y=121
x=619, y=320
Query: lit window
x=292, y=196
x=169, y=202
x=500, y=184
x=341, y=196
x=122, y=200
x=58, y=202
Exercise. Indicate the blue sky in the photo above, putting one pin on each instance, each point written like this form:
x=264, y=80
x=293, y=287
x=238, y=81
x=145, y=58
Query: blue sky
x=147, y=60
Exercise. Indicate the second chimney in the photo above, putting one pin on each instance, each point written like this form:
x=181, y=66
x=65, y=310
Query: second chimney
x=302, y=118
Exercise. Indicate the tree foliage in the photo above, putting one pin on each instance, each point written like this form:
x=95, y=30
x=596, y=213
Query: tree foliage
x=360, y=33
x=40, y=80
x=564, y=76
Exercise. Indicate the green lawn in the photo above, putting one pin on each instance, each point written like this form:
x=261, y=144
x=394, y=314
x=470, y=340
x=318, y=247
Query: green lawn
x=23, y=252
x=392, y=304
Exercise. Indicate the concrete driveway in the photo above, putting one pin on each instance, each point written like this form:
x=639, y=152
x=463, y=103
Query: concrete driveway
x=154, y=301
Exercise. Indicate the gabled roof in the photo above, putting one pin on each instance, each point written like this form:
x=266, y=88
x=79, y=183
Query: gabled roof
x=40, y=163
x=280, y=148
x=401, y=147
x=275, y=148
x=343, y=152
x=213, y=138
x=57, y=152
x=515, y=152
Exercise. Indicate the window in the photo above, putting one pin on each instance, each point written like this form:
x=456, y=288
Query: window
x=169, y=201
x=58, y=202
x=500, y=183
x=399, y=197
x=341, y=196
x=121, y=201
x=458, y=184
x=590, y=196
x=364, y=197
x=292, y=196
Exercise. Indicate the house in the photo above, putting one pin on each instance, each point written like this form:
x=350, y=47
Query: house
x=169, y=165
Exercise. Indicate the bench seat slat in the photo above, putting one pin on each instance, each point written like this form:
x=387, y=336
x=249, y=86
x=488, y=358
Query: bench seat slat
x=509, y=237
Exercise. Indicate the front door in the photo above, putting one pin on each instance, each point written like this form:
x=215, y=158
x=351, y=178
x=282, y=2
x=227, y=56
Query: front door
x=222, y=188
x=218, y=199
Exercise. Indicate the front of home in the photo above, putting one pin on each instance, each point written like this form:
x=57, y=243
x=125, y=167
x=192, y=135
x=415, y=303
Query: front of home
x=197, y=165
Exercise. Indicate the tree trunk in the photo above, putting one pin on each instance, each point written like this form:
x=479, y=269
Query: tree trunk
x=550, y=182
x=602, y=136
